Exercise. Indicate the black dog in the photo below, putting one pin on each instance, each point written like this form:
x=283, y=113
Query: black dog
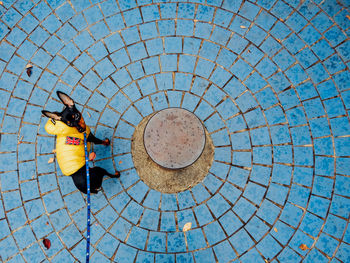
x=69, y=127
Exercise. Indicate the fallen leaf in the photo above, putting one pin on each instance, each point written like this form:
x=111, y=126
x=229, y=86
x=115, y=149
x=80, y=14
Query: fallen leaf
x=51, y=160
x=47, y=223
x=29, y=72
x=120, y=162
x=243, y=27
x=187, y=227
x=88, y=113
x=54, y=151
x=29, y=68
x=303, y=247
x=348, y=17
x=275, y=229
x=1, y=3
x=266, y=261
x=20, y=140
x=47, y=243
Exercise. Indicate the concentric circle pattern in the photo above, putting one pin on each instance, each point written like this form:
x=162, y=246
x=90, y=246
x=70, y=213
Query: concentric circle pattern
x=269, y=79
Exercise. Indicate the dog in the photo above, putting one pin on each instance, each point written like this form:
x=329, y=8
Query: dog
x=69, y=127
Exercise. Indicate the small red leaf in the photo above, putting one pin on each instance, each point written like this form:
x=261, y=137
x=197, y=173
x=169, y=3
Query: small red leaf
x=47, y=243
x=29, y=68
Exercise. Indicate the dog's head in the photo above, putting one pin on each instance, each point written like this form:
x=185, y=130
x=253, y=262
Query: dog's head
x=70, y=114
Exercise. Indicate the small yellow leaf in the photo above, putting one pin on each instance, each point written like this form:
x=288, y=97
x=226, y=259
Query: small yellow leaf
x=20, y=140
x=54, y=151
x=275, y=229
x=1, y=3
x=266, y=261
x=187, y=227
x=243, y=27
x=88, y=113
x=29, y=66
x=120, y=162
x=348, y=17
x=51, y=160
x=303, y=247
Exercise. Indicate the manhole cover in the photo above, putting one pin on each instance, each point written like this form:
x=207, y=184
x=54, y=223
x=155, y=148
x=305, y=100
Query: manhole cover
x=174, y=138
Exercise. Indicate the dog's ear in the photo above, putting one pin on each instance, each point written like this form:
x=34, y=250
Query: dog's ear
x=52, y=115
x=66, y=100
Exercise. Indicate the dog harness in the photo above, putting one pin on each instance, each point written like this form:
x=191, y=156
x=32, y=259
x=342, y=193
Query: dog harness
x=69, y=146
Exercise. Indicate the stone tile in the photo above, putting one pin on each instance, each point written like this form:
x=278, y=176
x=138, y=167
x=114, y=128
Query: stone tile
x=156, y=242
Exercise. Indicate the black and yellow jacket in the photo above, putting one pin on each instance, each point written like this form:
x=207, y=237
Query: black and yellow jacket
x=70, y=151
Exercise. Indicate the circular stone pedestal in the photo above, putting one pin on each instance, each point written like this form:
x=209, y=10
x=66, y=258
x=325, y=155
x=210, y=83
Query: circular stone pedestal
x=174, y=138
x=169, y=180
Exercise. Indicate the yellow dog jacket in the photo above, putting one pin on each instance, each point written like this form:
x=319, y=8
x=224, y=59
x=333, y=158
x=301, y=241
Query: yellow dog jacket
x=70, y=151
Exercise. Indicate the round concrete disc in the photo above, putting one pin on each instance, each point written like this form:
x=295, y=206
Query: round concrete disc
x=174, y=138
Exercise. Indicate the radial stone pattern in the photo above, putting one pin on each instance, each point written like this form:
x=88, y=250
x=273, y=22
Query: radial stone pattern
x=270, y=81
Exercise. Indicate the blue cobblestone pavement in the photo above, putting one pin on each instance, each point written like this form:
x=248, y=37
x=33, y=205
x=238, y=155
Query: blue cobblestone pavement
x=269, y=79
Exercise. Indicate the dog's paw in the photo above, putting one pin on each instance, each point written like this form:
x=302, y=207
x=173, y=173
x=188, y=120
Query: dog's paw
x=106, y=142
x=115, y=175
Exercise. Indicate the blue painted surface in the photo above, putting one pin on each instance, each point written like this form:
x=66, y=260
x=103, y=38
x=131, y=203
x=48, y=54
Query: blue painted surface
x=270, y=81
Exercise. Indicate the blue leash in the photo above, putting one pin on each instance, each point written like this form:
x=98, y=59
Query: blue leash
x=88, y=201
